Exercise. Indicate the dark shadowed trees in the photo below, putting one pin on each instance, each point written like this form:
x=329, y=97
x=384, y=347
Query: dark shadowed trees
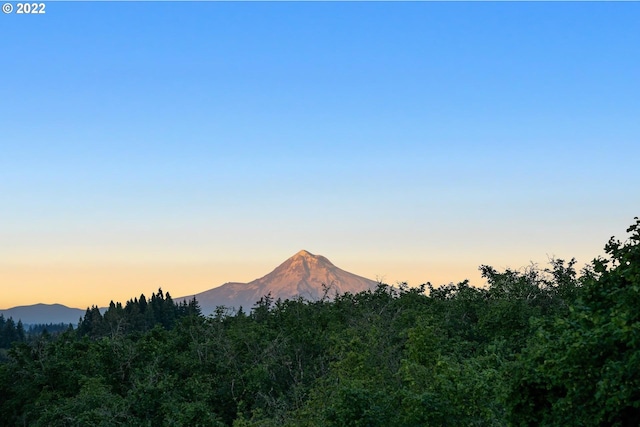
x=584, y=368
x=538, y=346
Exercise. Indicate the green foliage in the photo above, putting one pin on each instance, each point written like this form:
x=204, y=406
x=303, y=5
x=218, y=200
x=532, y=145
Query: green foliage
x=49, y=328
x=138, y=315
x=534, y=347
x=93, y=405
x=11, y=332
x=584, y=369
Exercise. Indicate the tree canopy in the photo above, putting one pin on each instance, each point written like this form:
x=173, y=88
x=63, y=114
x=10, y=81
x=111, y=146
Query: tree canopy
x=534, y=347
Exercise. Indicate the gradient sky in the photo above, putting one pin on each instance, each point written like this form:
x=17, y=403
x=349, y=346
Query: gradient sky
x=184, y=145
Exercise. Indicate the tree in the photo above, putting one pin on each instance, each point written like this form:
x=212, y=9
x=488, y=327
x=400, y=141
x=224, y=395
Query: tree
x=93, y=324
x=584, y=369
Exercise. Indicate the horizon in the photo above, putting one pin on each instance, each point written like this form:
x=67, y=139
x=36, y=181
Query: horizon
x=186, y=145
x=148, y=294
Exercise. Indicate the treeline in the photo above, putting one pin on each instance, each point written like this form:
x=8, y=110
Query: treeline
x=11, y=332
x=48, y=328
x=538, y=347
x=137, y=315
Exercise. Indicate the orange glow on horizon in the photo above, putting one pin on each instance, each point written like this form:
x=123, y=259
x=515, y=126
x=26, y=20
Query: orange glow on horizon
x=84, y=285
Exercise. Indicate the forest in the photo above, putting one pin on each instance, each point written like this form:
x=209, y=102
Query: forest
x=538, y=346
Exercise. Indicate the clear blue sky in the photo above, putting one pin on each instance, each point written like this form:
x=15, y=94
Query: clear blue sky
x=184, y=145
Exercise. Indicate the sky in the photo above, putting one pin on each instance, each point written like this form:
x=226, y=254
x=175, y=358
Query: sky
x=183, y=145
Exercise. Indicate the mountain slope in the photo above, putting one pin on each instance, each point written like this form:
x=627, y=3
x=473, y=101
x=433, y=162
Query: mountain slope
x=44, y=313
x=304, y=274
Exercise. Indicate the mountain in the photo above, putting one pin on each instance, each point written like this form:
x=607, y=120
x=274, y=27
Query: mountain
x=304, y=274
x=43, y=313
